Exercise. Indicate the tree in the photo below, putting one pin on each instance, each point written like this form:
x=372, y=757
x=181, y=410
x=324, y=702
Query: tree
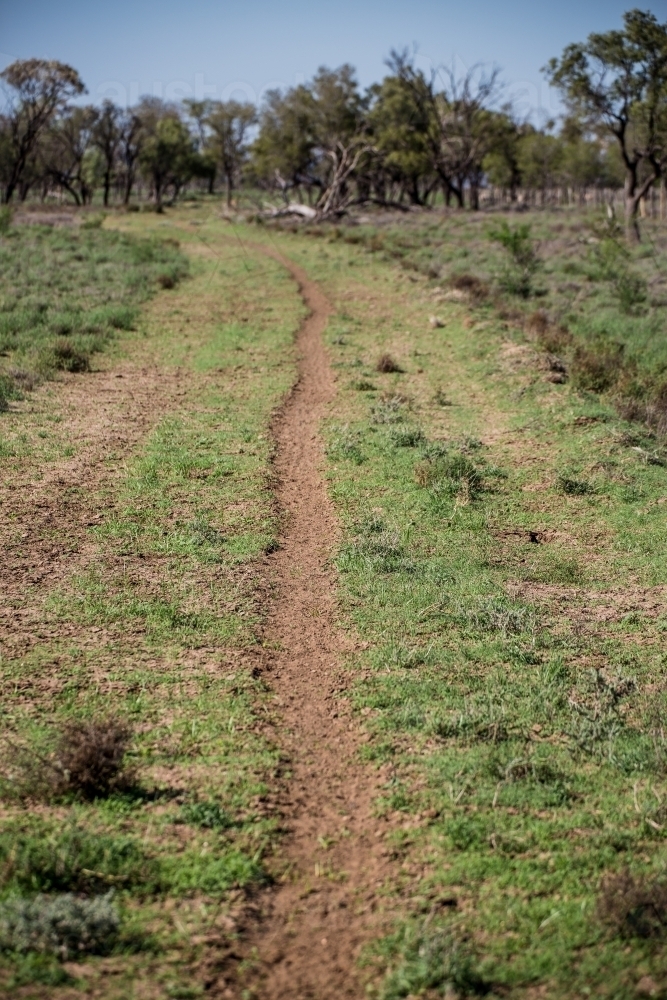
x=131, y=137
x=618, y=81
x=106, y=137
x=229, y=122
x=399, y=133
x=283, y=153
x=167, y=153
x=66, y=145
x=457, y=122
x=40, y=89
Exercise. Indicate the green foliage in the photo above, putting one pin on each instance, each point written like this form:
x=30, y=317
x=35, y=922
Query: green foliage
x=44, y=858
x=62, y=925
x=524, y=262
x=6, y=215
x=209, y=815
x=66, y=292
x=429, y=959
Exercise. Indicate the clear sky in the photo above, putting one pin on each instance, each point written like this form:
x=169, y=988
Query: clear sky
x=216, y=49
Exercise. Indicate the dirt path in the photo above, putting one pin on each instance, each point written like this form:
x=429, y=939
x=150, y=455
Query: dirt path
x=325, y=906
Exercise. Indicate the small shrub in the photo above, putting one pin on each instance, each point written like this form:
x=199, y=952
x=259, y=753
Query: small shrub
x=208, y=815
x=6, y=392
x=406, y=437
x=363, y=385
x=64, y=925
x=475, y=289
x=68, y=358
x=597, y=368
x=494, y=614
x=634, y=906
x=94, y=221
x=517, y=278
x=388, y=410
x=574, y=487
x=386, y=364
x=166, y=281
x=90, y=757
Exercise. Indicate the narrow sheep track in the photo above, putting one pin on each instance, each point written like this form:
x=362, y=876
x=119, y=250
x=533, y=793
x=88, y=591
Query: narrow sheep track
x=311, y=927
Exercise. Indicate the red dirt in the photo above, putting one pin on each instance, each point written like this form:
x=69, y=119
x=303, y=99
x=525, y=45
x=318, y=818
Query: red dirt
x=325, y=907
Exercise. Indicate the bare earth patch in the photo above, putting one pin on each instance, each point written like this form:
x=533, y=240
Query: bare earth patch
x=312, y=926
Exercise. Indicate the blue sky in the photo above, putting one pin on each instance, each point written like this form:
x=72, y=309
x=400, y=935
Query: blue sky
x=205, y=48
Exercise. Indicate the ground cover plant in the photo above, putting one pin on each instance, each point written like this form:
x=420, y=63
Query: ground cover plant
x=134, y=775
x=66, y=292
x=502, y=559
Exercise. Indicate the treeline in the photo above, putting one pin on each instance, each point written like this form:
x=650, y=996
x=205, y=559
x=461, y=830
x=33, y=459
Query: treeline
x=326, y=145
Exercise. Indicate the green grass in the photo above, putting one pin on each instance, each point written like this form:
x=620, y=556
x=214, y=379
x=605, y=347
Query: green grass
x=72, y=288
x=498, y=565
x=160, y=620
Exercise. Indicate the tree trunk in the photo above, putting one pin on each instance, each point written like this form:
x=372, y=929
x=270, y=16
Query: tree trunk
x=107, y=186
x=230, y=188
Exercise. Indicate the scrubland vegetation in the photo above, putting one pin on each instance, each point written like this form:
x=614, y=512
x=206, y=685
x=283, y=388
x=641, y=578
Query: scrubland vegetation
x=496, y=452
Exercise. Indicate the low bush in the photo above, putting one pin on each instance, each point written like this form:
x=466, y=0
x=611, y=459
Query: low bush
x=386, y=364
x=90, y=758
x=64, y=925
x=476, y=290
x=598, y=367
x=67, y=357
x=517, y=277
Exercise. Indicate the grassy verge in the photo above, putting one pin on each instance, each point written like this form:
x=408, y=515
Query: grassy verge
x=503, y=561
x=156, y=627
x=65, y=293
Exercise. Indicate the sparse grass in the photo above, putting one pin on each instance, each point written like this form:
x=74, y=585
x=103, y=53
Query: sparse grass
x=66, y=292
x=160, y=622
x=511, y=699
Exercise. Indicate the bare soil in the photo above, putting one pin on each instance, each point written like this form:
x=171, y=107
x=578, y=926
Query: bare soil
x=328, y=901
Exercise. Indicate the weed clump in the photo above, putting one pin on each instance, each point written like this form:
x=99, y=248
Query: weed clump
x=430, y=959
x=6, y=215
x=598, y=367
x=634, y=905
x=574, y=487
x=475, y=290
x=452, y=475
x=389, y=410
x=386, y=365
x=65, y=925
x=66, y=357
x=406, y=437
x=91, y=757
x=208, y=815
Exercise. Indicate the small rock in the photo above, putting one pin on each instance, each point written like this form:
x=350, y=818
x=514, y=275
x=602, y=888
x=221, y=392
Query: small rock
x=435, y=323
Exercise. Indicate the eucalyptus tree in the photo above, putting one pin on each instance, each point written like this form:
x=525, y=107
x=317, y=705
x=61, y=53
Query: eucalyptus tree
x=38, y=90
x=229, y=123
x=617, y=81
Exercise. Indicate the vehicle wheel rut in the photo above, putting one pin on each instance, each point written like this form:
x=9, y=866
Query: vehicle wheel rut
x=325, y=906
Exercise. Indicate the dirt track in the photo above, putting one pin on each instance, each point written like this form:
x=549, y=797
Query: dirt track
x=314, y=924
